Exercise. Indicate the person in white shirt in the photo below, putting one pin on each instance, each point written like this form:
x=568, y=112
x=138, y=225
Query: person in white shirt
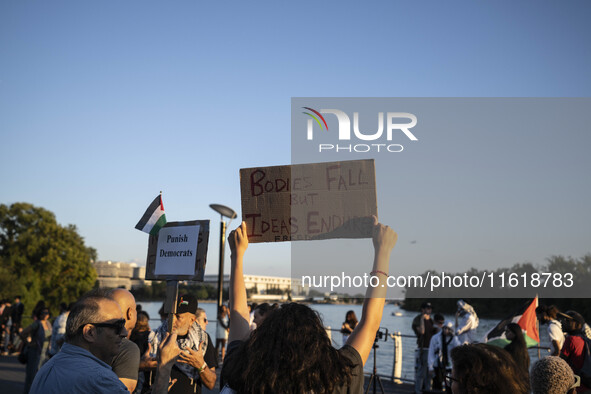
x=440, y=347
x=58, y=333
x=466, y=322
x=547, y=315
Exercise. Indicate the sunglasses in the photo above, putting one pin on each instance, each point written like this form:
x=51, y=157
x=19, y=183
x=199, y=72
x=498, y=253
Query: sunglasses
x=118, y=326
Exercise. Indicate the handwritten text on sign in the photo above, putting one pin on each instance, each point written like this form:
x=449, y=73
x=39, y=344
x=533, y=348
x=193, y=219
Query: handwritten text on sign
x=309, y=201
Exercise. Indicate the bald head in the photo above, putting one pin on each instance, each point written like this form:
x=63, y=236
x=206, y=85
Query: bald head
x=126, y=302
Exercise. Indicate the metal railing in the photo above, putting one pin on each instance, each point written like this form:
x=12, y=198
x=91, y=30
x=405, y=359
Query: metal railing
x=396, y=336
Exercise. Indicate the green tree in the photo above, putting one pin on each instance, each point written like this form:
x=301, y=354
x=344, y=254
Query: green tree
x=40, y=259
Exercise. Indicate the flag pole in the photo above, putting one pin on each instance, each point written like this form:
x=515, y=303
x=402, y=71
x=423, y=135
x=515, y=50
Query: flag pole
x=172, y=294
x=538, y=326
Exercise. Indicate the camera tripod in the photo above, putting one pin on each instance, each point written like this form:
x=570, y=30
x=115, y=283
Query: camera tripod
x=374, y=378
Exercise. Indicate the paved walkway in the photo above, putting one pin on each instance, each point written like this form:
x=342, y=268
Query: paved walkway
x=12, y=377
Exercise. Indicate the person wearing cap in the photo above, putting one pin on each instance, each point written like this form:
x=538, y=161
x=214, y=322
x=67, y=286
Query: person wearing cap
x=552, y=375
x=573, y=351
x=191, y=369
x=439, y=352
x=422, y=325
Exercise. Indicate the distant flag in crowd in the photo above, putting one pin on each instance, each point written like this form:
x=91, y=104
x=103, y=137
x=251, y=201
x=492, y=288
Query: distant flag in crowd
x=525, y=316
x=154, y=218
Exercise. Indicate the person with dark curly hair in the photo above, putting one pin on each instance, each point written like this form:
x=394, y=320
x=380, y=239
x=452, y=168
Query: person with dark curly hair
x=485, y=369
x=517, y=348
x=290, y=352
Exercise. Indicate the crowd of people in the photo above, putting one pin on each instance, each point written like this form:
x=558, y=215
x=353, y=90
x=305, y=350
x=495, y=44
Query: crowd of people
x=11, y=316
x=436, y=338
x=103, y=343
x=449, y=358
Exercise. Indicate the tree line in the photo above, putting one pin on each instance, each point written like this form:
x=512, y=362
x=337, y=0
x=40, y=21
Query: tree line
x=499, y=302
x=41, y=259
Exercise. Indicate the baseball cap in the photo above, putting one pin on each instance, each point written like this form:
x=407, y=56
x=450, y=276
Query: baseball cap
x=186, y=303
x=426, y=305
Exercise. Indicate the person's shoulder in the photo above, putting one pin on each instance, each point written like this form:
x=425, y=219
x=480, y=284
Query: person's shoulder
x=352, y=354
x=555, y=324
x=233, y=345
x=130, y=345
x=569, y=342
x=436, y=337
x=128, y=348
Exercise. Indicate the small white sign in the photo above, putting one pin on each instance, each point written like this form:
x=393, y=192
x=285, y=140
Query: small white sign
x=177, y=250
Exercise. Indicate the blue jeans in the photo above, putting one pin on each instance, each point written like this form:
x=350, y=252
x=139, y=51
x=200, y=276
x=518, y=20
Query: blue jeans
x=422, y=380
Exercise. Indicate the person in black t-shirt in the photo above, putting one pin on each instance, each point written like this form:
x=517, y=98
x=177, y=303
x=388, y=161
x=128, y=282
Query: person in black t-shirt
x=422, y=325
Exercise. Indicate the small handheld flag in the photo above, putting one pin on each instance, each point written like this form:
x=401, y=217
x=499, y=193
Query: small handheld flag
x=154, y=218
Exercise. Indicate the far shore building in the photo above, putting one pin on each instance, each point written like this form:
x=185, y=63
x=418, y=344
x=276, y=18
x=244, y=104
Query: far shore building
x=260, y=287
x=263, y=287
x=117, y=274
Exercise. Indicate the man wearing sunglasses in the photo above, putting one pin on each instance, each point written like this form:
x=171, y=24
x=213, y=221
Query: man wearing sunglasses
x=94, y=331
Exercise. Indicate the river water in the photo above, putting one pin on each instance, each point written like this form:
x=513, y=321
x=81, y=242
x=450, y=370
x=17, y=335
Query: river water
x=334, y=315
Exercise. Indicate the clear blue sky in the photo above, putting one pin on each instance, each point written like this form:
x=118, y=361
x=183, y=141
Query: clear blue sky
x=104, y=104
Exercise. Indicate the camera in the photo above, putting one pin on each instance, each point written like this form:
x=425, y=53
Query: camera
x=382, y=333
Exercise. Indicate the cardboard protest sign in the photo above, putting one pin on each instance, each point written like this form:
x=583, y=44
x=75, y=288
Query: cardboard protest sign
x=309, y=201
x=178, y=251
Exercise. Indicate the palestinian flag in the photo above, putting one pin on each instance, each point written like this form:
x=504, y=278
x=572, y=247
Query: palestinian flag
x=154, y=218
x=526, y=318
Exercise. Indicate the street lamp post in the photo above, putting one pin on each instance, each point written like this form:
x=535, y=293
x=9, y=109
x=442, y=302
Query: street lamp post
x=229, y=213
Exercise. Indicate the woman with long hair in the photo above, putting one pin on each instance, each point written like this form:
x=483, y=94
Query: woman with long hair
x=348, y=325
x=485, y=369
x=290, y=352
x=517, y=348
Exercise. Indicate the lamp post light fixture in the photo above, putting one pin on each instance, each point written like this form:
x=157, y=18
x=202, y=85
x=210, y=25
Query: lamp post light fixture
x=229, y=213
